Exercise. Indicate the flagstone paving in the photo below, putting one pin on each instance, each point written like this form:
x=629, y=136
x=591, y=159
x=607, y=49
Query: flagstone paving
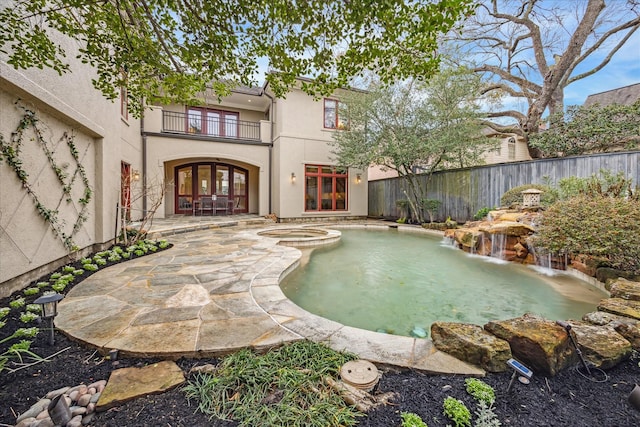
x=214, y=292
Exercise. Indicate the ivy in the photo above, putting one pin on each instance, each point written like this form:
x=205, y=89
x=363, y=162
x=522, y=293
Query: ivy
x=10, y=152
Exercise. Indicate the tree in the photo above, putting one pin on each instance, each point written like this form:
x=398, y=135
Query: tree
x=164, y=50
x=592, y=129
x=515, y=40
x=414, y=127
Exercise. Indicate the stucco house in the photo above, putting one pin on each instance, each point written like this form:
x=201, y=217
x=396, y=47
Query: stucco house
x=251, y=153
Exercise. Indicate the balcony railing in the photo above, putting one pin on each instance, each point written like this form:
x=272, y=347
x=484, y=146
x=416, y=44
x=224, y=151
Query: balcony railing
x=188, y=124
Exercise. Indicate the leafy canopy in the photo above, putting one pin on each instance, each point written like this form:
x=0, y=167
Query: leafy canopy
x=591, y=129
x=172, y=49
x=414, y=127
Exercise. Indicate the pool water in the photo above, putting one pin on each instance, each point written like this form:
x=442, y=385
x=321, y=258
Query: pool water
x=400, y=282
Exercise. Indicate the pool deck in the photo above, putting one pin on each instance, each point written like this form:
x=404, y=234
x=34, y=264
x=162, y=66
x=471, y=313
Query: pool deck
x=217, y=291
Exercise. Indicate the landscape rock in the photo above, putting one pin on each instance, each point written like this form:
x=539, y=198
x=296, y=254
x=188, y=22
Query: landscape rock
x=631, y=333
x=602, y=318
x=472, y=344
x=625, y=289
x=601, y=345
x=128, y=383
x=540, y=344
x=621, y=307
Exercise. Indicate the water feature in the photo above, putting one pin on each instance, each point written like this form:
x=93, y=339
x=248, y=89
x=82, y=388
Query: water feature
x=398, y=282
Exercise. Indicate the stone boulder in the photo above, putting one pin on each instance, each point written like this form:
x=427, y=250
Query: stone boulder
x=631, y=333
x=471, y=344
x=602, y=318
x=509, y=228
x=621, y=307
x=601, y=345
x=625, y=289
x=540, y=344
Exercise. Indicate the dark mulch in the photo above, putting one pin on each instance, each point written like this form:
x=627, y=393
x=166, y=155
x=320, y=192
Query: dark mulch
x=567, y=399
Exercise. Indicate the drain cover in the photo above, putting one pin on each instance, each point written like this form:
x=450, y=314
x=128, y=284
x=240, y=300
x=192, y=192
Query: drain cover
x=360, y=374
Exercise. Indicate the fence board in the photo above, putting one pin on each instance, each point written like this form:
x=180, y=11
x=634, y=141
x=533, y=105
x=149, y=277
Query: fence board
x=464, y=191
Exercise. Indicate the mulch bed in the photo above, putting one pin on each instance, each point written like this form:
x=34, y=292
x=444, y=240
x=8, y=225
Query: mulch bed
x=568, y=399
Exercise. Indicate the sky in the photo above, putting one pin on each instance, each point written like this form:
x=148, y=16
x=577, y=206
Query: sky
x=622, y=70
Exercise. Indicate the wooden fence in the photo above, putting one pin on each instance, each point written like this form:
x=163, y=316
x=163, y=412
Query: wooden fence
x=464, y=191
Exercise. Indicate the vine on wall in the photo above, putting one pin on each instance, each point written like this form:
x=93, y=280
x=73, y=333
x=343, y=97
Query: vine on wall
x=10, y=152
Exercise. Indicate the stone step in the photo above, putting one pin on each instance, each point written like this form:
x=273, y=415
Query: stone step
x=620, y=306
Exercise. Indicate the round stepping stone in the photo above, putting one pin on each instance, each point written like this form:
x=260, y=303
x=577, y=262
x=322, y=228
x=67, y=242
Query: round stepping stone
x=361, y=374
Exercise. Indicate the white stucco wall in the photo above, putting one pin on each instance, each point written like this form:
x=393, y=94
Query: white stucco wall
x=66, y=103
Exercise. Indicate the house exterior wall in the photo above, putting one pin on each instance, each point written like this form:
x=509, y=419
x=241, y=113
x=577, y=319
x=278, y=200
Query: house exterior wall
x=301, y=139
x=501, y=154
x=70, y=104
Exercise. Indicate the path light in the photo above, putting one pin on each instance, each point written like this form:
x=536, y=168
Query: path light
x=49, y=305
x=519, y=368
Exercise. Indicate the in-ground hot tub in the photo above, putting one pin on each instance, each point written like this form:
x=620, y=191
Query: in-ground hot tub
x=301, y=236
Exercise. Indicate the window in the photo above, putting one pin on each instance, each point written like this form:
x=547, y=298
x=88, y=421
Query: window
x=212, y=122
x=511, y=146
x=325, y=188
x=124, y=103
x=332, y=118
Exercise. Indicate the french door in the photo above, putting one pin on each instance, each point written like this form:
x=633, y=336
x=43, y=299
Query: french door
x=196, y=181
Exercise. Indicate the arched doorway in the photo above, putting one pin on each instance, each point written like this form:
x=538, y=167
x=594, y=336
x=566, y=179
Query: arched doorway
x=203, y=181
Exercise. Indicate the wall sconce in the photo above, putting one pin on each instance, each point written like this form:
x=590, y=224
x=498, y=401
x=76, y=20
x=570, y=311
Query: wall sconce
x=358, y=178
x=49, y=304
x=135, y=175
x=293, y=177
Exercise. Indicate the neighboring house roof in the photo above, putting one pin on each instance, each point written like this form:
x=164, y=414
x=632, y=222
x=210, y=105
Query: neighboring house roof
x=626, y=95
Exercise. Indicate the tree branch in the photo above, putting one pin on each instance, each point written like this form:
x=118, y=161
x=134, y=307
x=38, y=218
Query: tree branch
x=506, y=129
x=507, y=113
x=524, y=84
x=633, y=24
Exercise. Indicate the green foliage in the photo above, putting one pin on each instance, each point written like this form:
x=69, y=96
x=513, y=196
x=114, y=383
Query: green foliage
x=485, y=417
x=34, y=308
x=480, y=390
x=591, y=129
x=599, y=226
x=17, y=303
x=482, y=213
x=457, y=412
x=431, y=206
x=55, y=276
x=415, y=127
x=31, y=291
x=171, y=52
x=514, y=195
x=409, y=419
x=4, y=311
x=20, y=349
x=43, y=284
x=28, y=317
x=275, y=388
x=68, y=269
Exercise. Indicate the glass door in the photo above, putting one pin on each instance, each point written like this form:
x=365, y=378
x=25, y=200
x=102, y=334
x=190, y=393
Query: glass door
x=239, y=191
x=184, y=189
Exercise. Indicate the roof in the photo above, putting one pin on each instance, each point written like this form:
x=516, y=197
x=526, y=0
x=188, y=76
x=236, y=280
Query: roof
x=626, y=95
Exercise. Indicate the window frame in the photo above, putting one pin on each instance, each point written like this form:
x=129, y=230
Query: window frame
x=222, y=130
x=334, y=175
x=339, y=123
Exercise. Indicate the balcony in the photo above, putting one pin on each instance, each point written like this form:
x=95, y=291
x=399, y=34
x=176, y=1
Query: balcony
x=210, y=126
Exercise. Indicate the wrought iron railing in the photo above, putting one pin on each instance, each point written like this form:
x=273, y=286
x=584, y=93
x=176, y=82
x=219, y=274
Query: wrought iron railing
x=190, y=124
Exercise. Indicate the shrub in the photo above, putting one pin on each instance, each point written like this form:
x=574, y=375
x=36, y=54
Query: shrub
x=28, y=317
x=480, y=390
x=514, y=195
x=4, y=311
x=31, y=291
x=482, y=213
x=34, y=308
x=602, y=227
x=457, y=412
x=409, y=419
x=17, y=303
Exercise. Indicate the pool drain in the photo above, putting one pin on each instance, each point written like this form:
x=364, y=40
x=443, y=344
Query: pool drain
x=360, y=374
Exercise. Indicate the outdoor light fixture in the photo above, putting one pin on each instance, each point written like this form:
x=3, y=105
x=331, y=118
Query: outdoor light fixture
x=358, y=178
x=293, y=177
x=49, y=305
x=135, y=175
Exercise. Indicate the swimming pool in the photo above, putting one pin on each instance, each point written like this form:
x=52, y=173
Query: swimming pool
x=399, y=283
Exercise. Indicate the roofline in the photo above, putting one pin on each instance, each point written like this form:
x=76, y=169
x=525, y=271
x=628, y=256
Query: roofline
x=613, y=90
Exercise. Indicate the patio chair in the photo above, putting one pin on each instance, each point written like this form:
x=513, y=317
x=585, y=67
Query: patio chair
x=206, y=205
x=222, y=206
